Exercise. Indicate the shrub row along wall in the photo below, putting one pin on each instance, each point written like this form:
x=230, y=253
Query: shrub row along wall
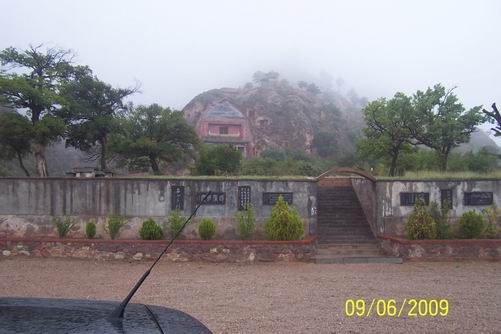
x=182, y=250
x=387, y=204
x=27, y=205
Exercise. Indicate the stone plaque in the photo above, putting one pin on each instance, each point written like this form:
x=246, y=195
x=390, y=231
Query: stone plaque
x=272, y=198
x=244, y=197
x=478, y=198
x=409, y=199
x=446, y=198
x=213, y=199
x=177, y=198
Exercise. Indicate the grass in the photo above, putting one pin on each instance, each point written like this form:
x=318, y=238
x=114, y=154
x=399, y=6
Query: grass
x=436, y=175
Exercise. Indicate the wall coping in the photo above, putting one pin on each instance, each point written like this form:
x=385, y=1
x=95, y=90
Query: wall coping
x=456, y=242
x=438, y=180
x=309, y=240
x=170, y=178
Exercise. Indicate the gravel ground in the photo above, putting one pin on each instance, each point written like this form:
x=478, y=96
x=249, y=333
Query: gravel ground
x=276, y=297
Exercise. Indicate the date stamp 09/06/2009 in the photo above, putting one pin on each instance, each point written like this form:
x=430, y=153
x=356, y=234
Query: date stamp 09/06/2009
x=393, y=308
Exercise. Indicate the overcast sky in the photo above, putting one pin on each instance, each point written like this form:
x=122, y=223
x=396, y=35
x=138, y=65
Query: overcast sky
x=178, y=49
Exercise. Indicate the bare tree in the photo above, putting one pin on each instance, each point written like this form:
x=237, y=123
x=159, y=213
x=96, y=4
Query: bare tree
x=494, y=117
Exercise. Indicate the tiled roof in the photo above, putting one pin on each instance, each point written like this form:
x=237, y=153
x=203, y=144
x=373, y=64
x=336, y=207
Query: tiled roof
x=223, y=109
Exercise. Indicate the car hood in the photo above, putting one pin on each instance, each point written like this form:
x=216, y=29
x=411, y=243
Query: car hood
x=40, y=315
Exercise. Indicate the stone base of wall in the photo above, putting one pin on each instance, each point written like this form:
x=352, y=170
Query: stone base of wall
x=443, y=250
x=235, y=251
x=33, y=226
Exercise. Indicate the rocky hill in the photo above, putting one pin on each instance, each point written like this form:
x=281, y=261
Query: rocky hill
x=286, y=115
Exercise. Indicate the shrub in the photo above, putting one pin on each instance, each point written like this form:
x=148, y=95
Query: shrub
x=440, y=216
x=284, y=223
x=150, y=230
x=490, y=216
x=62, y=226
x=207, y=229
x=471, y=225
x=90, y=229
x=420, y=224
x=176, y=221
x=114, y=225
x=246, y=221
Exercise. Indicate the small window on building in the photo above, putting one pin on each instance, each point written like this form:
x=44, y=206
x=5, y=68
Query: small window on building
x=223, y=130
x=478, y=198
x=409, y=199
x=446, y=198
x=263, y=122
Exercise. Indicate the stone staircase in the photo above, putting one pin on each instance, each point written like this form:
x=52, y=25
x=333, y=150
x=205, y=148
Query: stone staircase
x=344, y=235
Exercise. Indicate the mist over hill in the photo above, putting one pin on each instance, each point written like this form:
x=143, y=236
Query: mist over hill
x=315, y=117
x=289, y=115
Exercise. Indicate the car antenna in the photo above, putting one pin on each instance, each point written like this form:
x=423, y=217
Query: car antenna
x=118, y=312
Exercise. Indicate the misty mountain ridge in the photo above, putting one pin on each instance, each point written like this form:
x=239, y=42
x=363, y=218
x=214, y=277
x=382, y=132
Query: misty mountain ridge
x=286, y=115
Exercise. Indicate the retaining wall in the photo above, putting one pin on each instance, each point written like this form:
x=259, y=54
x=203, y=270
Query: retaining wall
x=442, y=250
x=27, y=205
x=182, y=250
x=383, y=207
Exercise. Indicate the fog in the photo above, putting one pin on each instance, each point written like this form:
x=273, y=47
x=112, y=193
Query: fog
x=178, y=49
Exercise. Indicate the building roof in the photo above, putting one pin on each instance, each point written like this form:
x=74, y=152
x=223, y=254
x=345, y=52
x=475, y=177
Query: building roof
x=223, y=109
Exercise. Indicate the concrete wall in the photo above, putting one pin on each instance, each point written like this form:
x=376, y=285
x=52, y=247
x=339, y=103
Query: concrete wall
x=366, y=194
x=391, y=216
x=27, y=205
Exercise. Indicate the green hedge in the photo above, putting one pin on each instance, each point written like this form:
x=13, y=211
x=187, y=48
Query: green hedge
x=284, y=223
x=150, y=230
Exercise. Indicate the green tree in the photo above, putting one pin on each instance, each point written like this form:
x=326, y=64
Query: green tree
x=387, y=133
x=89, y=109
x=326, y=143
x=157, y=133
x=30, y=79
x=16, y=133
x=284, y=222
x=218, y=160
x=441, y=122
x=274, y=153
x=420, y=224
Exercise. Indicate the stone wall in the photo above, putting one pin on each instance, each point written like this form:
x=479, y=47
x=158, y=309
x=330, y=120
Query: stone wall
x=27, y=205
x=442, y=250
x=182, y=250
x=391, y=215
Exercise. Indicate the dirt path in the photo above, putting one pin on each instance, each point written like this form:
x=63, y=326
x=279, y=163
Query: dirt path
x=276, y=297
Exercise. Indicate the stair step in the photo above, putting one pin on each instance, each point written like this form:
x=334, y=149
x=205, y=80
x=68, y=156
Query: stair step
x=343, y=229
x=335, y=221
x=342, y=222
x=333, y=236
x=347, y=231
x=343, y=211
x=333, y=224
x=357, y=259
x=370, y=252
x=344, y=241
x=375, y=244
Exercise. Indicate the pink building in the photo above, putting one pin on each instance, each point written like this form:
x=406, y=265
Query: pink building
x=222, y=123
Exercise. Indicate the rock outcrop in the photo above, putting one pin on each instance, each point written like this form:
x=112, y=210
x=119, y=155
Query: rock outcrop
x=283, y=115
